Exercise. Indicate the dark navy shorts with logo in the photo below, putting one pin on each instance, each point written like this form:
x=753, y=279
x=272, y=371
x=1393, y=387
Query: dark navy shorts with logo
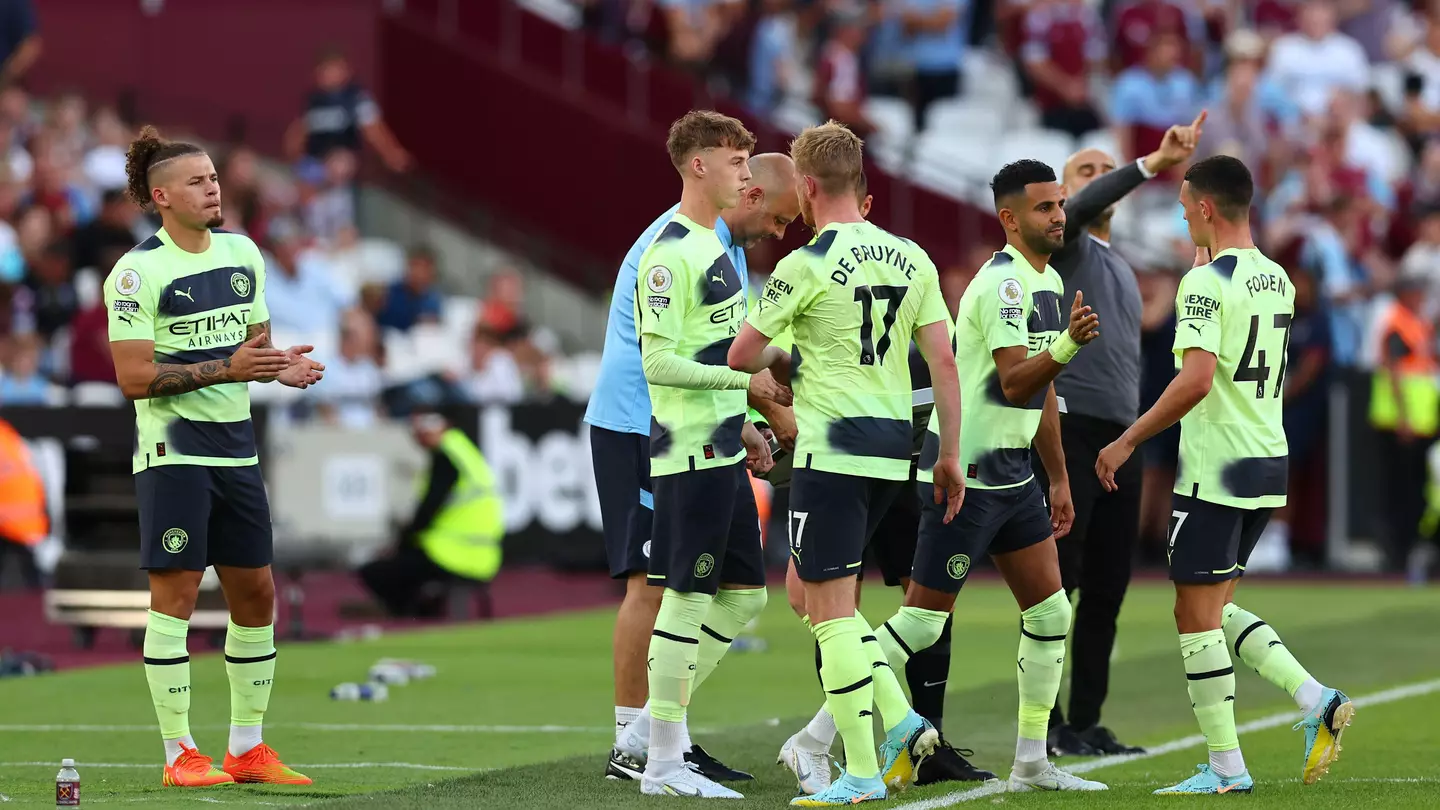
x=892, y=544
x=1210, y=542
x=832, y=518
x=193, y=517
x=621, y=463
x=707, y=531
x=990, y=521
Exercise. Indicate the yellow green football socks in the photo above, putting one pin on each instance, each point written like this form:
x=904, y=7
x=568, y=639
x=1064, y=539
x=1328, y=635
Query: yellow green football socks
x=849, y=692
x=250, y=665
x=167, y=669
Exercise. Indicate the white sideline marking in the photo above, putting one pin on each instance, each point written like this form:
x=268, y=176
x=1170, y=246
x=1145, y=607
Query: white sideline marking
x=436, y=729
x=1272, y=721
x=416, y=766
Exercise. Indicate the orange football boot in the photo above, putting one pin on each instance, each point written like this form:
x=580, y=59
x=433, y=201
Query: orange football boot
x=262, y=764
x=194, y=769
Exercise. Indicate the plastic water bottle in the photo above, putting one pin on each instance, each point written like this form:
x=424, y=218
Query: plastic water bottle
x=67, y=784
x=374, y=692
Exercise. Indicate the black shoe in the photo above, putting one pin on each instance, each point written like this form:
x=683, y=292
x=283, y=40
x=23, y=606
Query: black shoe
x=949, y=764
x=623, y=767
x=712, y=768
x=1103, y=741
x=1064, y=742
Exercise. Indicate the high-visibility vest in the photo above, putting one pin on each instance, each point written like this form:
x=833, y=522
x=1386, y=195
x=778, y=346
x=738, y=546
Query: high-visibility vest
x=1430, y=522
x=22, y=493
x=1419, y=386
x=465, y=536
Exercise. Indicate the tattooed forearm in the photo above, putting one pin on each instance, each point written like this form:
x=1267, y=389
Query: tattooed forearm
x=172, y=379
x=261, y=328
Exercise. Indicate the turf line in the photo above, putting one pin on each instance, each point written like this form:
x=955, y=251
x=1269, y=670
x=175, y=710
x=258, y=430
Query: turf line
x=433, y=729
x=1271, y=721
x=399, y=765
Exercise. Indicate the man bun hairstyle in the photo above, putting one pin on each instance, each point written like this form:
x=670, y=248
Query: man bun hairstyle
x=146, y=152
x=1014, y=177
x=1225, y=180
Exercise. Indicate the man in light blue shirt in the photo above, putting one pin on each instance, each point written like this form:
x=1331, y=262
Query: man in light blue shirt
x=619, y=419
x=934, y=38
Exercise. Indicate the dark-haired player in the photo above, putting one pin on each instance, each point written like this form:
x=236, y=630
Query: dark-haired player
x=1010, y=343
x=1232, y=332
x=188, y=330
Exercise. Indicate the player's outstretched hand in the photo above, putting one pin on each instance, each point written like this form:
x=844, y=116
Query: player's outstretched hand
x=250, y=362
x=1112, y=458
x=302, y=371
x=1062, y=509
x=949, y=486
x=764, y=386
x=1084, y=324
x=1179, y=142
x=757, y=450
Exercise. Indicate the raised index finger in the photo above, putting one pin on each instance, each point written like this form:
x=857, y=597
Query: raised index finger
x=1079, y=299
x=1199, y=121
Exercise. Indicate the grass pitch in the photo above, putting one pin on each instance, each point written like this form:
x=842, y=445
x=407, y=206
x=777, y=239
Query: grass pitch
x=520, y=713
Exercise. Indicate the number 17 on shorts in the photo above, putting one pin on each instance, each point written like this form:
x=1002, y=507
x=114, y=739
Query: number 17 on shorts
x=797, y=532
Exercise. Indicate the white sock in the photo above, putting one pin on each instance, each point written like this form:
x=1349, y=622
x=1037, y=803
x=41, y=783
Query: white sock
x=1228, y=764
x=624, y=716
x=666, y=751
x=641, y=726
x=242, y=739
x=819, y=732
x=1030, y=750
x=1308, y=694
x=685, y=744
x=172, y=748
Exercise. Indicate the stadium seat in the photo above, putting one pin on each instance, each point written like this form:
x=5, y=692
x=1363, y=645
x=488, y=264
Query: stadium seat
x=1046, y=145
x=1100, y=139
x=893, y=116
x=96, y=395
x=967, y=115
x=434, y=350
x=459, y=315
x=960, y=152
x=795, y=114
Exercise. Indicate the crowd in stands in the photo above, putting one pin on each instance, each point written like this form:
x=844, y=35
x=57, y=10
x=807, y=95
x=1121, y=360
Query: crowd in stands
x=374, y=310
x=1334, y=105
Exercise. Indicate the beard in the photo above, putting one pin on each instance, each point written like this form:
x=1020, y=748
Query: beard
x=215, y=221
x=1040, y=242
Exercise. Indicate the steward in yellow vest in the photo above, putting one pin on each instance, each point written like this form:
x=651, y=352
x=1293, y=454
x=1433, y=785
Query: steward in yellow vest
x=455, y=533
x=1405, y=412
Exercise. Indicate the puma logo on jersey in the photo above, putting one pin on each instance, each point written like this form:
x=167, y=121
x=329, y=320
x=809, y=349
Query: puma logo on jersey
x=1196, y=327
x=186, y=292
x=720, y=279
x=125, y=319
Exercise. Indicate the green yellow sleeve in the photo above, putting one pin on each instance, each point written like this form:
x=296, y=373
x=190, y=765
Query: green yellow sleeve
x=932, y=304
x=664, y=295
x=259, y=312
x=1198, y=311
x=130, y=304
x=1001, y=314
x=789, y=292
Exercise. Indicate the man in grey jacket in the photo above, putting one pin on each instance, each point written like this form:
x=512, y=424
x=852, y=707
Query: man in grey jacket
x=1099, y=395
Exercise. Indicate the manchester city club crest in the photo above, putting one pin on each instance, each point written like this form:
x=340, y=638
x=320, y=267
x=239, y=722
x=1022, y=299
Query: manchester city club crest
x=958, y=566
x=240, y=283
x=704, y=566
x=174, y=540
